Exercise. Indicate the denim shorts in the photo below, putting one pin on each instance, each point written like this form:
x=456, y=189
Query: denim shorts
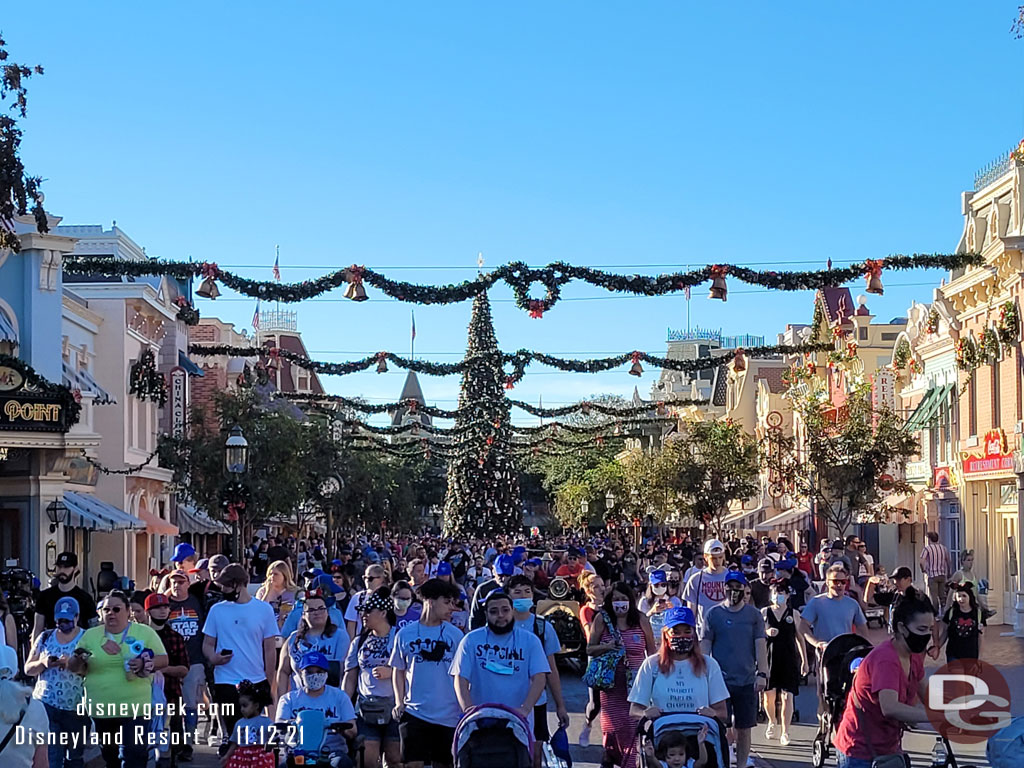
x=375, y=732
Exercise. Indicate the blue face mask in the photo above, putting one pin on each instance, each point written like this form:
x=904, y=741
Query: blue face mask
x=522, y=604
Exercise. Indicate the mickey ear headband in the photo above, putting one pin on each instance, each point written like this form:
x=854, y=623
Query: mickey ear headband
x=377, y=602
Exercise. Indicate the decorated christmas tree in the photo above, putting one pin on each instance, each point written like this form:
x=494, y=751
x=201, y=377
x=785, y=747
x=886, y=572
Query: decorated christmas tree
x=483, y=484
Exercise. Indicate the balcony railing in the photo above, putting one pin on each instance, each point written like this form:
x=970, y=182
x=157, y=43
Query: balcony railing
x=278, y=320
x=994, y=170
x=710, y=334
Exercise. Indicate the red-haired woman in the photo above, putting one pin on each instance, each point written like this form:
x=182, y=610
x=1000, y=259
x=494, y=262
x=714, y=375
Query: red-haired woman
x=620, y=625
x=679, y=678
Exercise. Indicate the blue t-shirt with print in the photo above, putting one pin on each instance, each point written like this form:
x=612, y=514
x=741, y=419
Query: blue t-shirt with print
x=58, y=687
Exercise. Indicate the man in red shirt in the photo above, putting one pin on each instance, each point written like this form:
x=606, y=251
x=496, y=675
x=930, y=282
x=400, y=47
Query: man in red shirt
x=805, y=560
x=573, y=567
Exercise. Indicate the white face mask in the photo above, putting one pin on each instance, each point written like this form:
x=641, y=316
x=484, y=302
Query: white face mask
x=620, y=607
x=314, y=681
x=402, y=604
x=659, y=589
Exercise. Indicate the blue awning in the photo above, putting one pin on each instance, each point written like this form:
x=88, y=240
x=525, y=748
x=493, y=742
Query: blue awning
x=191, y=368
x=7, y=332
x=86, y=511
x=83, y=380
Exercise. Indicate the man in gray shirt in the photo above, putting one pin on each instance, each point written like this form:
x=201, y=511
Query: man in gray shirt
x=827, y=616
x=734, y=636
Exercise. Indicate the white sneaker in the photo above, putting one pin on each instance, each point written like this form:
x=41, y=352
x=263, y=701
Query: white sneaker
x=769, y=732
x=585, y=736
x=784, y=739
x=750, y=762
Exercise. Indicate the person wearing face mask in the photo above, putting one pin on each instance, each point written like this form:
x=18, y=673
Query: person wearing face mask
x=680, y=678
x=706, y=588
x=656, y=601
x=240, y=644
x=158, y=606
x=407, y=610
x=520, y=589
x=59, y=689
x=787, y=660
x=734, y=636
x=889, y=689
x=314, y=693
x=758, y=581
x=500, y=663
x=66, y=571
x=621, y=627
x=316, y=632
x=504, y=569
x=827, y=616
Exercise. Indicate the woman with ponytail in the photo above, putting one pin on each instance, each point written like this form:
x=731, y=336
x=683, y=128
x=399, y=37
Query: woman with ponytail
x=679, y=678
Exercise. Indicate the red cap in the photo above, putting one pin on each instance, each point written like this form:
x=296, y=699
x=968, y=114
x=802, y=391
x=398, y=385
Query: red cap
x=155, y=600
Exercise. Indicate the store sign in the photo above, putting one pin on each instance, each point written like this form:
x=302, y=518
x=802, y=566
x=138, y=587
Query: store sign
x=179, y=386
x=997, y=457
x=943, y=478
x=32, y=412
x=10, y=379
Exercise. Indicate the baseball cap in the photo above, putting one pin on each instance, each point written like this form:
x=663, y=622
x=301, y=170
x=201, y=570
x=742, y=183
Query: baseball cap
x=903, y=573
x=559, y=742
x=202, y=565
x=9, y=666
x=735, y=576
x=444, y=568
x=219, y=561
x=67, y=560
x=518, y=555
x=314, y=659
x=658, y=577
x=504, y=565
x=534, y=561
x=747, y=560
x=155, y=600
x=766, y=564
x=785, y=565
x=67, y=608
x=182, y=552
x=714, y=547
x=679, y=615
x=771, y=546
x=576, y=552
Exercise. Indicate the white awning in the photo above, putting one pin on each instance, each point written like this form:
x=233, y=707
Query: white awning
x=86, y=511
x=7, y=332
x=83, y=380
x=788, y=520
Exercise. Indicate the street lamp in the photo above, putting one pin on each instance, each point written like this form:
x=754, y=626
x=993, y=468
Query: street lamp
x=57, y=514
x=609, y=500
x=236, y=452
x=329, y=489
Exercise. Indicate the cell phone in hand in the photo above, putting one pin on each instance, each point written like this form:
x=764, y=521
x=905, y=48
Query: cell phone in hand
x=226, y=651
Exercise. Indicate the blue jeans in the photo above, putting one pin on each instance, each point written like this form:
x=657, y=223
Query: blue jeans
x=70, y=722
x=842, y=761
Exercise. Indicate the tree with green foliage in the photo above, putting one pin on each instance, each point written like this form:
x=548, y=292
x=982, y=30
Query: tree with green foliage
x=483, y=482
x=850, y=457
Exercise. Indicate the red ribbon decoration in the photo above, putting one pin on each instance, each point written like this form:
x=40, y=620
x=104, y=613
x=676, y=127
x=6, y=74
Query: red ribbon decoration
x=355, y=275
x=181, y=301
x=77, y=394
x=509, y=382
x=719, y=270
x=234, y=508
x=873, y=267
x=209, y=269
x=635, y=358
x=536, y=309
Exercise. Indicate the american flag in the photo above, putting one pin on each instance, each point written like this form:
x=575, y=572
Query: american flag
x=414, y=326
x=686, y=292
x=277, y=269
x=256, y=316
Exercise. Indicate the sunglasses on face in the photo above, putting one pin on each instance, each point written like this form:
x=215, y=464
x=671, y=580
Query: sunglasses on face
x=111, y=609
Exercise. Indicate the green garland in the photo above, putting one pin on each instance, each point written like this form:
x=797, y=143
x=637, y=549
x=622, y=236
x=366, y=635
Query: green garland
x=1008, y=326
x=553, y=428
x=517, y=275
x=145, y=381
x=519, y=360
x=188, y=314
x=127, y=470
x=988, y=345
x=584, y=406
x=71, y=400
x=901, y=356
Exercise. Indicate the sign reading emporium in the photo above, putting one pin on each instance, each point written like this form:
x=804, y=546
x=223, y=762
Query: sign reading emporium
x=996, y=458
x=24, y=410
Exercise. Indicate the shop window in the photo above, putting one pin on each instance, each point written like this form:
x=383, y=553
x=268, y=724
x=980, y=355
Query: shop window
x=1008, y=494
x=863, y=333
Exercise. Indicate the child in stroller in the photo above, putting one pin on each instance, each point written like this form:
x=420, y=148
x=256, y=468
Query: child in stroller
x=683, y=741
x=839, y=662
x=493, y=736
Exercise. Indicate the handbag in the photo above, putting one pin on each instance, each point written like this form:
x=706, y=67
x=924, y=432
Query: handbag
x=600, y=671
x=376, y=710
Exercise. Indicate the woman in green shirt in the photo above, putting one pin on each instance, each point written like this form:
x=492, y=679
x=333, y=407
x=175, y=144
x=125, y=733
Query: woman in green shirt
x=117, y=660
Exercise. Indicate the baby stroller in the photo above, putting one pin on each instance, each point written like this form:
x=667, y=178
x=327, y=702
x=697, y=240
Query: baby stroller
x=493, y=736
x=839, y=661
x=652, y=732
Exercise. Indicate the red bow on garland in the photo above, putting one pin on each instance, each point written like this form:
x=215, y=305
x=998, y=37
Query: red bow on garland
x=181, y=301
x=873, y=267
x=209, y=269
x=536, y=309
x=235, y=508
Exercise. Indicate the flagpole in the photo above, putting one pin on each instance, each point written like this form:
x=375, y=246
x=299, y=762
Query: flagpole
x=277, y=261
x=412, y=341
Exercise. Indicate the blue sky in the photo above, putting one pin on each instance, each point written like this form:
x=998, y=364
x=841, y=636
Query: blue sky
x=410, y=136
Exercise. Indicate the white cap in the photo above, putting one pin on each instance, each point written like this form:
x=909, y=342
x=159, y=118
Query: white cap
x=712, y=545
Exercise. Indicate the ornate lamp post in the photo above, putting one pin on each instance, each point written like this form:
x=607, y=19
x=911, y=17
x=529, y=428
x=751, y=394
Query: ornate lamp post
x=236, y=462
x=329, y=489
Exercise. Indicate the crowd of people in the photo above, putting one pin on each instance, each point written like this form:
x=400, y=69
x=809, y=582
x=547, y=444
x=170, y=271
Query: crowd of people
x=396, y=637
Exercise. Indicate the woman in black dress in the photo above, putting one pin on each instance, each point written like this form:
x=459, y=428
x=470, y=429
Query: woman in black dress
x=787, y=660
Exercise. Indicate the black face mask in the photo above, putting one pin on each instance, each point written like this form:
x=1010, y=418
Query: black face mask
x=735, y=596
x=501, y=630
x=158, y=623
x=917, y=643
x=681, y=644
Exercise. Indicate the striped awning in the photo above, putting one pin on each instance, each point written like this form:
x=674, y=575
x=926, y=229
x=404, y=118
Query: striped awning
x=7, y=332
x=191, y=520
x=789, y=520
x=86, y=511
x=82, y=380
x=924, y=415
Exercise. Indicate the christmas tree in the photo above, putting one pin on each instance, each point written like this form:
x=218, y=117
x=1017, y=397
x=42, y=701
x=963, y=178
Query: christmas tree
x=483, y=483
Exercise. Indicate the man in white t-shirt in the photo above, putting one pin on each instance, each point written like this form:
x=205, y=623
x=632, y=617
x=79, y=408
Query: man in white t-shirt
x=240, y=644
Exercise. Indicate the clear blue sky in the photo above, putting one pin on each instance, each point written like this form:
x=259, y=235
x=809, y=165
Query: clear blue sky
x=410, y=136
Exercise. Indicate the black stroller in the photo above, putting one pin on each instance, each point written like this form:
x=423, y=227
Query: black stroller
x=838, y=663
x=689, y=725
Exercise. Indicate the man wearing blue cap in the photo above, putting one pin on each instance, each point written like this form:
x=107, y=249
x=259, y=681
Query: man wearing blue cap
x=325, y=584
x=315, y=693
x=734, y=636
x=184, y=557
x=504, y=569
